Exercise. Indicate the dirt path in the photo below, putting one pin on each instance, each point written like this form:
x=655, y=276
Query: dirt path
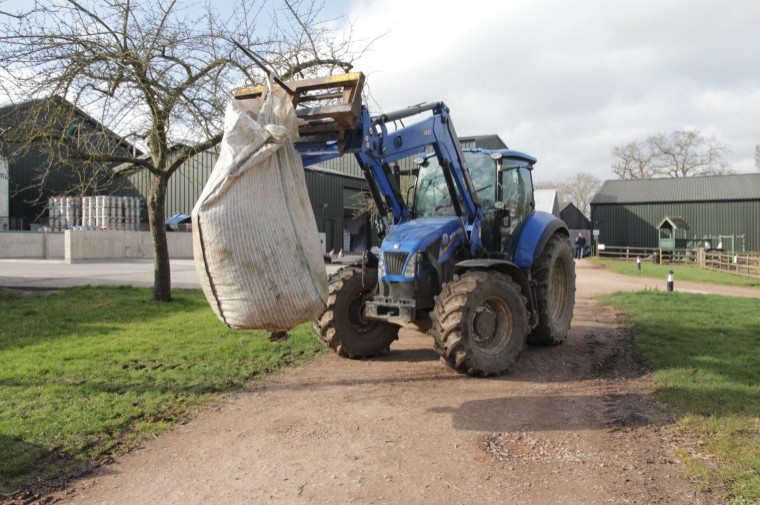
x=571, y=424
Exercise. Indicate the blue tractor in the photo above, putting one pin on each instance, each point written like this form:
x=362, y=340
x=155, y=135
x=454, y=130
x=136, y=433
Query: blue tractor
x=467, y=257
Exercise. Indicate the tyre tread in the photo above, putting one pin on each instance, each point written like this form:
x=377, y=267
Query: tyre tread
x=326, y=325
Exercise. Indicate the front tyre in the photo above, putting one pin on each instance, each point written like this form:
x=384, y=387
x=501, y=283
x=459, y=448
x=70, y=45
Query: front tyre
x=480, y=323
x=554, y=274
x=342, y=326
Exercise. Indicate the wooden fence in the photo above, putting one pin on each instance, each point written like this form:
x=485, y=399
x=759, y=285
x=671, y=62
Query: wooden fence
x=745, y=264
x=651, y=254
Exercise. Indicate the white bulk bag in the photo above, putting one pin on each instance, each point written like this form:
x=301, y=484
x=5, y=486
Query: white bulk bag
x=255, y=240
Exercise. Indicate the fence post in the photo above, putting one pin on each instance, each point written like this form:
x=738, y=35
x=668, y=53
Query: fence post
x=702, y=257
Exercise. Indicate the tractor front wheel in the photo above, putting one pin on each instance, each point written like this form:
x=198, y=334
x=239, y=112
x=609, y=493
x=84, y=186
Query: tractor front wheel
x=342, y=326
x=480, y=323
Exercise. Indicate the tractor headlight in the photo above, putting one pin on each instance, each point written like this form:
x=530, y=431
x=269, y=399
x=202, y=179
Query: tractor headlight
x=380, y=265
x=415, y=260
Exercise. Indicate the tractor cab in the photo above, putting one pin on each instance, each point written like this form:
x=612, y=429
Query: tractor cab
x=503, y=186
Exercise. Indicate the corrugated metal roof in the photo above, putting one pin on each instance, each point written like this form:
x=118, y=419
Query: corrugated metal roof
x=682, y=189
x=19, y=108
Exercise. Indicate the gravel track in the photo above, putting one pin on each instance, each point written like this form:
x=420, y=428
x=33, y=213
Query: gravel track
x=571, y=424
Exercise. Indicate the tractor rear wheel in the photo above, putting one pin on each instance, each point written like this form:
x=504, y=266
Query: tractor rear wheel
x=554, y=273
x=480, y=323
x=342, y=326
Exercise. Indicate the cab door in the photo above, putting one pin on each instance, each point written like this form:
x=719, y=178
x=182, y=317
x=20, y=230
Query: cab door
x=516, y=192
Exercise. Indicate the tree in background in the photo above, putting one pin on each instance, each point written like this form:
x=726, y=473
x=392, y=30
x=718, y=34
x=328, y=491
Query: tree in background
x=757, y=156
x=154, y=72
x=679, y=154
x=579, y=190
x=634, y=160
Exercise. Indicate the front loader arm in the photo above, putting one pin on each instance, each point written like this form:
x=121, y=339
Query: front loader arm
x=345, y=126
x=436, y=131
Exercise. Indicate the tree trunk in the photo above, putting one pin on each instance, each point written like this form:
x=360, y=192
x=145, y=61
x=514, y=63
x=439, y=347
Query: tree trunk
x=157, y=219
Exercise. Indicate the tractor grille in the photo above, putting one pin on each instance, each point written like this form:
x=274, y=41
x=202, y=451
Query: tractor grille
x=394, y=262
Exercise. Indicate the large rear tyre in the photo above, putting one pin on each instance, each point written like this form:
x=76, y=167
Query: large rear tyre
x=342, y=327
x=480, y=323
x=554, y=273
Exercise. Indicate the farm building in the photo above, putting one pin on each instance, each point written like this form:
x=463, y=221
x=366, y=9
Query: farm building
x=26, y=184
x=628, y=213
x=28, y=174
x=574, y=218
x=185, y=185
x=335, y=198
x=546, y=201
x=576, y=221
x=337, y=190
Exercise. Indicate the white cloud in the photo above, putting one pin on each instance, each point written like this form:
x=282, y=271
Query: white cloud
x=568, y=81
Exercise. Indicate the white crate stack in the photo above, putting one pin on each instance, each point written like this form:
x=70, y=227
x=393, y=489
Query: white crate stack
x=95, y=213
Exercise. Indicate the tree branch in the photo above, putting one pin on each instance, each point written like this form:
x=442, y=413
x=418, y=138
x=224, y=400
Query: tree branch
x=192, y=151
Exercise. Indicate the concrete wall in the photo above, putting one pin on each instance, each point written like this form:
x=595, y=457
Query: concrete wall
x=31, y=245
x=180, y=245
x=83, y=245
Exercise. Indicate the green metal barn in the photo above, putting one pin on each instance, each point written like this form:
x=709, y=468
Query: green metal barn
x=627, y=213
x=335, y=197
x=30, y=175
x=337, y=190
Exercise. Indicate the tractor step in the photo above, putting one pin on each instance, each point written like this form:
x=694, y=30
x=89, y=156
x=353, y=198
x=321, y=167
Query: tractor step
x=327, y=107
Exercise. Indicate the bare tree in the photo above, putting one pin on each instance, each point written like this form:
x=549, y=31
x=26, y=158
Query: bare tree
x=634, y=160
x=153, y=71
x=678, y=154
x=757, y=156
x=578, y=189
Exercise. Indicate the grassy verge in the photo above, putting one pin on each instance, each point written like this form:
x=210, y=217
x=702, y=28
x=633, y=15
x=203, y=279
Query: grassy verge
x=705, y=352
x=691, y=273
x=92, y=371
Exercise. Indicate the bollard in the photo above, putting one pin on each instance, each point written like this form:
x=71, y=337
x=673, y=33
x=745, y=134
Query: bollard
x=638, y=263
x=670, y=281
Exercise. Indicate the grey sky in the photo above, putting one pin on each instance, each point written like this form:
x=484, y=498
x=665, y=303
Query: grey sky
x=566, y=81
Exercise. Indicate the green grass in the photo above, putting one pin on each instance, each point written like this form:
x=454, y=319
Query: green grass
x=92, y=371
x=691, y=273
x=705, y=353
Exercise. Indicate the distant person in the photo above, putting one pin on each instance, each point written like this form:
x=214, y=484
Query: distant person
x=580, y=245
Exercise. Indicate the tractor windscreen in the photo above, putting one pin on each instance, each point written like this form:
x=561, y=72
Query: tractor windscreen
x=432, y=198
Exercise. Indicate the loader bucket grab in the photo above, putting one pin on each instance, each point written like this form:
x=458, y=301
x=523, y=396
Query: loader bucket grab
x=327, y=107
